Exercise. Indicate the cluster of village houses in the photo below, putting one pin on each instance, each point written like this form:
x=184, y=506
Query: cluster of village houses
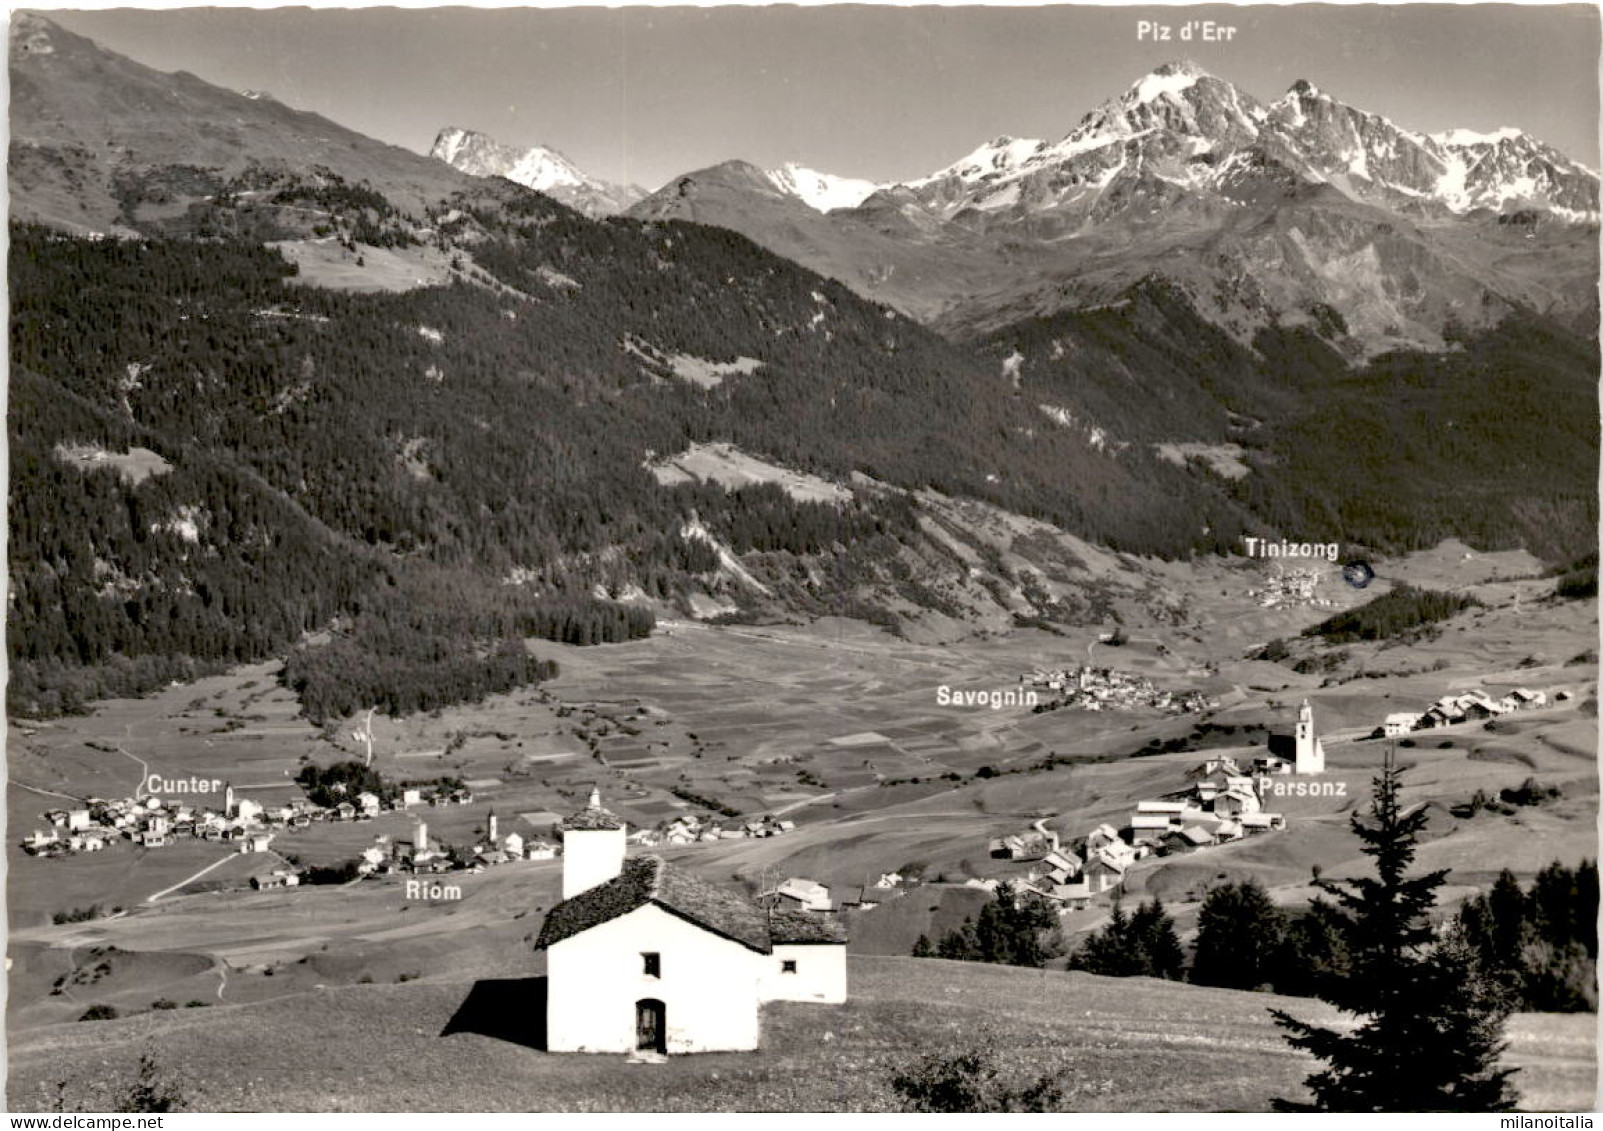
x=1108, y=689
x=250, y=826
x=1290, y=587
x=692, y=829
x=1467, y=706
x=1222, y=803
x=422, y=856
x=803, y=895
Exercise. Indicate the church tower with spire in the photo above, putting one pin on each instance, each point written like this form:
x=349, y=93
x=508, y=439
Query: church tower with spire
x=1310, y=751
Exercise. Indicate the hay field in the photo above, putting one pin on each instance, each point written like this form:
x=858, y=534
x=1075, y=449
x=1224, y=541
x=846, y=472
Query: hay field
x=1115, y=1045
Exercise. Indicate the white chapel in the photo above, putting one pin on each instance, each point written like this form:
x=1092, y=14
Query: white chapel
x=643, y=957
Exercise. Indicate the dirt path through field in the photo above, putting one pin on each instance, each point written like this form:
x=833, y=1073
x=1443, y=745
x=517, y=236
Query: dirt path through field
x=42, y=792
x=191, y=879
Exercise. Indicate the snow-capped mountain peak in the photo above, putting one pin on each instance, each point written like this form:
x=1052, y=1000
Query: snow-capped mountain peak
x=1183, y=128
x=538, y=167
x=1171, y=78
x=822, y=191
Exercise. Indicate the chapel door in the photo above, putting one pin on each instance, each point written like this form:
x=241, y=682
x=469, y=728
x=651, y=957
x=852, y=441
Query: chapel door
x=651, y=1028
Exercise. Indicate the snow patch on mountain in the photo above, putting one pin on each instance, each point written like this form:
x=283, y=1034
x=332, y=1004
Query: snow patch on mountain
x=1471, y=137
x=1165, y=82
x=1002, y=155
x=822, y=191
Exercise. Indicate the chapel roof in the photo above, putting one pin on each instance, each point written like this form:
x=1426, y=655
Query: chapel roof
x=649, y=880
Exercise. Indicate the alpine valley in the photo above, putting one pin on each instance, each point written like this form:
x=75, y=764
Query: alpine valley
x=765, y=501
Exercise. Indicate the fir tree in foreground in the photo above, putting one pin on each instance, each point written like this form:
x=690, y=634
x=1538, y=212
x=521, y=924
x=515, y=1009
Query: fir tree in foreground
x=1012, y=930
x=1240, y=933
x=1143, y=944
x=1430, y=1028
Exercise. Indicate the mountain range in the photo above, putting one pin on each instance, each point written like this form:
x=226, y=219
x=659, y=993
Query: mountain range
x=539, y=167
x=317, y=378
x=1263, y=213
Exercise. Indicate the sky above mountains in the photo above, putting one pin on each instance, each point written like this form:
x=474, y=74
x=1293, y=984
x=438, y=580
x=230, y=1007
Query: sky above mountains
x=640, y=95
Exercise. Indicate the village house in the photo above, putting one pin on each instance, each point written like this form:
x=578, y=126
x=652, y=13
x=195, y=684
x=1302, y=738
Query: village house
x=374, y=859
x=1188, y=839
x=1020, y=846
x=1399, y=723
x=1440, y=715
x=277, y=878
x=644, y=958
x=1150, y=827
x=1062, y=866
x=858, y=898
x=1234, y=802
x=804, y=895
x=1272, y=763
x=1101, y=837
x=1104, y=870
x=254, y=842
x=1224, y=764
x=1074, y=896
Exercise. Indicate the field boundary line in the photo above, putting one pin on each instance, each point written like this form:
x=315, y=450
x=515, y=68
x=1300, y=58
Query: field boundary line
x=191, y=879
x=43, y=792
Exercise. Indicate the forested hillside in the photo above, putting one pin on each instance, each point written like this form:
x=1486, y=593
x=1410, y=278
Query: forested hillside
x=316, y=450
x=1494, y=442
